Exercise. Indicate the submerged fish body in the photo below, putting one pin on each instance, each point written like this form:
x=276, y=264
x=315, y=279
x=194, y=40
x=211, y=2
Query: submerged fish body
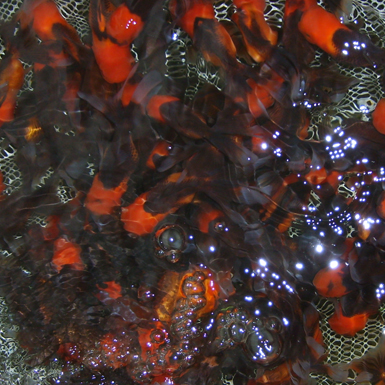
x=180, y=223
x=113, y=30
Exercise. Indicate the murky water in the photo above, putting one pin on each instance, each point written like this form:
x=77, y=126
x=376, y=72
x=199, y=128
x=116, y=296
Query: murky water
x=192, y=192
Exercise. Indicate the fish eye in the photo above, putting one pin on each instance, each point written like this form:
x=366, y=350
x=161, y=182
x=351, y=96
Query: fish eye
x=171, y=238
x=220, y=227
x=273, y=324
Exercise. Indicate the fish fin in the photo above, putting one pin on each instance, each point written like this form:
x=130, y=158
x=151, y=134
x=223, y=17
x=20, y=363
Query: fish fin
x=3, y=92
x=345, y=41
x=72, y=43
x=341, y=8
x=148, y=86
x=94, y=101
x=327, y=85
x=302, y=50
x=293, y=120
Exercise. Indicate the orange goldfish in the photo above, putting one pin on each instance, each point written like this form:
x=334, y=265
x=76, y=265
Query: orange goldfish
x=11, y=80
x=113, y=30
x=257, y=34
x=324, y=29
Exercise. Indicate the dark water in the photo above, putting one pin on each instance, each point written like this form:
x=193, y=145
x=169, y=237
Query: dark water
x=190, y=194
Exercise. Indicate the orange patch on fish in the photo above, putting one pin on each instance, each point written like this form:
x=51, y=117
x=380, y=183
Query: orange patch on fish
x=317, y=176
x=137, y=220
x=162, y=380
x=11, y=78
x=124, y=26
x=379, y=116
x=140, y=222
x=113, y=289
x=44, y=18
x=252, y=12
x=67, y=253
x=45, y=14
x=206, y=217
x=127, y=92
x=333, y=179
x=162, y=148
x=151, y=339
x=319, y=26
x=303, y=130
x=113, y=30
x=259, y=99
x=347, y=326
x=198, y=10
x=156, y=102
x=115, y=62
x=70, y=352
x=51, y=231
x=329, y=281
x=100, y=200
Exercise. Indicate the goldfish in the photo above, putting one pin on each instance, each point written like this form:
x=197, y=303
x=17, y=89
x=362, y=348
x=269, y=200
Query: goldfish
x=51, y=231
x=101, y=200
x=66, y=253
x=161, y=149
x=257, y=34
x=323, y=29
x=347, y=326
x=138, y=221
x=206, y=217
x=61, y=40
x=183, y=189
x=11, y=79
x=113, y=289
x=183, y=119
x=210, y=37
x=113, y=30
x=259, y=99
